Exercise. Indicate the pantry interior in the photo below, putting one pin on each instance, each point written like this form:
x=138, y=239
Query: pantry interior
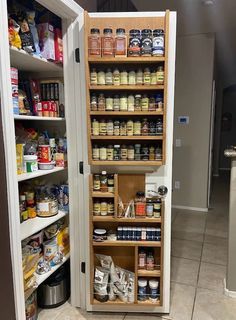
x=118, y=182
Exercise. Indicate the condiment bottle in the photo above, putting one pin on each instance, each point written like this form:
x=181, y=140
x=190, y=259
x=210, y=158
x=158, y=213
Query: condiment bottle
x=124, y=77
x=95, y=152
x=132, y=78
x=146, y=46
x=101, y=78
x=107, y=43
x=130, y=128
x=94, y=42
x=142, y=289
x=131, y=153
x=139, y=77
x=96, y=182
x=131, y=102
x=109, y=103
x=145, y=127
x=158, y=42
x=134, y=43
x=102, y=128
x=110, y=152
x=116, y=77
x=110, y=128
x=140, y=204
x=94, y=102
x=160, y=75
x=103, y=182
x=95, y=127
x=101, y=102
x=147, y=76
x=123, y=152
x=102, y=153
x=109, y=78
x=116, y=103
x=120, y=43
x=93, y=77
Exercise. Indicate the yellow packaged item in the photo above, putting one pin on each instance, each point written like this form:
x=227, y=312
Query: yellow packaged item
x=63, y=240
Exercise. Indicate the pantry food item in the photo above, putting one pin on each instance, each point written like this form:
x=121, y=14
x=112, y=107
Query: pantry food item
x=46, y=206
x=63, y=240
x=142, y=289
x=14, y=90
x=100, y=284
x=31, y=311
x=107, y=42
x=46, y=40
x=94, y=42
x=44, y=153
x=58, y=45
x=19, y=158
x=103, y=182
x=30, y=163
x=140, y=204
x=34, y=31
x=146, y=46
x=153, y=290
x=99, y=235
x=134, y=43
x=158, y=42
x=46, y=165
x=27, y=42
x=50, y=251
x=160, y=75
x=120, y=43
x=13, y=33
x=96, y=182
x=142, y=260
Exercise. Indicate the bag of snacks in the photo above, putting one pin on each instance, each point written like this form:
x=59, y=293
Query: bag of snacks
x=13, y=33
x=100, y=284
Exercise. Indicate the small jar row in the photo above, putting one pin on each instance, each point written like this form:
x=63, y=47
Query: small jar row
x=123, y=152
x=117, y=78
x=126, y=102
x=127, y=127
x=103, y=207
x=138, y=234
x=103, y=182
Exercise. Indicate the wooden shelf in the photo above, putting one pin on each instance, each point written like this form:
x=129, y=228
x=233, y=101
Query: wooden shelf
x=102, y=194
x=127, y=87
x=113, y=219
x=36, y=174
x=126, y=163
x=126, y=113
x=116, y=302
x=36, y=118
x=146, y=273
x=149, y=303
x=157, y=137
x=121, y=243
x=126, y=59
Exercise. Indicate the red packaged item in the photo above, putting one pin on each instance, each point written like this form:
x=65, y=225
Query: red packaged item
x=44, y=153
x=58, y=46
x=45, y=108
x=51, y=109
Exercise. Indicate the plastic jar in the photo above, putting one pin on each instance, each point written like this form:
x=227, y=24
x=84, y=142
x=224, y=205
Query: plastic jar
x=94, y=42
x=146, y=47
x=107, y=42
x=142, y=289
x=158, y=42
x=30, y=163
x=124, y=77
x=153, y=289
x=120, y=43
x=95, y=127
x=109, y=78
x=131, y=102
x=102, y=128
x=101, y=78
x=93, y=77
x=110, y=128
x=134, y=43
x=116, y=77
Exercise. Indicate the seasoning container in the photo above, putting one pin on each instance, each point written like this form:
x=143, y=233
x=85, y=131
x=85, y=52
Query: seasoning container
x=153, y=289
x=123, y=102
x=158, y=42
x=134, y=43
x=158, y=154
x=142, y=289
x=157, y=208
x=144, y=153
x=139, y=77
x=102, y=128
x=95, y=127
x=132, y=78
x=116, y=128
x=145, y=127
x=130, y=128
x=96, y=182
x=110, y=183
x=110, y=208
x=151, y=153
x=94, y=103
x=147, y=77
x=123, y=129
x=146, y=46
x=110, y=128
x=124, y=77
x=30, y=163
x=94, y=42
x=153, y=77
x=101, y=102
x=99, y=235
x=150, y=261
x=137, y=102
x=149, y=208
x=120, y=43
x=96, y=208
x=116, y=77
x=159, y=101
x=103, y=182
x=117, y=152
x=137, y=152
x=109, y=103
x=142, y=260
x=159, y=126
x=93, y=77
x=110, y=152
x=140, y=204
x=152, y=128
x=144, y=102
x=144, y=234
x=95, y=152
x=160, y=75
x=131, y=102
x=152, y=104
x=137, y=128
x=116, y=103
x=107, y=43
x=103, y=153
x=101, y=78
x=109, y=78
x=104, y=208
x=124, y=152
x=131, y=153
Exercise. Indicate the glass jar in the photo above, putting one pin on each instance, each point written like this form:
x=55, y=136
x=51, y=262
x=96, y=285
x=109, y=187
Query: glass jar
x=101, y=78
x=144, y=153
x=159, y=101
x=107, y=43
x=120, y=43
x=145, y=127
x=137, y=152
x=96, y=208
x=109, y=104
x=158, y=43
x=103, y=182
x=149, y=208
x=96, y=182
x=130, y=128
x=142, y=260
x=159, y=126
x=94, y=102
x=157, y=208
x=144, y=102
x=150, y=261
x=110, y=128
x=93, y=77
x=104, y=208
x=152, y=104
x=137, y=128
x=146, y=47
x=137, y=102
x=158, y=154
x=102, y=127
x=116, y=77
x=134, y=43
x=123, y=102
x=103, y=153
x=132, y=78
x=116, y=103
x=123, y=129
x=139, y=77
x=109, y=78
x=152, y=128
x=140, y=204
x=110, y=152
x=117, y=152
x=95, y=127
x=131, y=153
x=153, y=78
x=101, y=102
x=151, y=153
x=94, y=43
x=123, y=152
x=110, y=208
x=142, y=289
x=124, y=77
x=131, y=102
x=110, y=183
x=95, y=152
x=160, y=75
x=147, y=77
x=116, y=128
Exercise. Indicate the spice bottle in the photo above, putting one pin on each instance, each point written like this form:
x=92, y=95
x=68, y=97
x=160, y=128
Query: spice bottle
x=137, y=128
x=146, y=47
x=159, y=126
x=103, y=182
x=94, y=42
x=120, y=43
x=144, y=102
x=109, y=104
x=110, y=152
x=150, y=261
x=131, y=153
x=142, y=289
x=151, y=153
x=116, y=77
x=110, y=183
x=142, y=260
x=123, y=152
x=144, y=153
x=158, y=42
x=160, y=75
x=131, y=102
x=130, y=128
x=95, y=152
x=108, y=77
x=94, y=103
x=134, y=43
x=103, y=153
x=123, y=129
x=116, y=128
x=140, y=204
x=145, y=127
x=101, y=78
x=132, y=78
x=152, y=128
x=159, y=101
x=153, y=78
x=147, y=76
x=137, y=152
x=102, y=128
x=117, y=152
x=110, y=208
x=157, y=208
x=107, y=43
x=96, y=208
x=101, y=102
x=137, y=103
x=152, y=105
x=124, y=77
x=116, y=103
x=123, y=102
x=104, y=208
x=93, y=77
x=158, y=154
x=96, y=182
x=139, y=77
x=23, y=210
x=149, y=208
x=110, y=128
x=95, y=127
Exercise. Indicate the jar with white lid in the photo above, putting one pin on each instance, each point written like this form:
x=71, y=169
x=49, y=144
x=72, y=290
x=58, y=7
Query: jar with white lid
x=131, y=102
x=101, y=78
x=132, y=78
x=123, y=102
x=108, y=77
x=124, y=77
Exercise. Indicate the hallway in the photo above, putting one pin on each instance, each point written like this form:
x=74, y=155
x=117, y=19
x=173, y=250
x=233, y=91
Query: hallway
x=199, y=258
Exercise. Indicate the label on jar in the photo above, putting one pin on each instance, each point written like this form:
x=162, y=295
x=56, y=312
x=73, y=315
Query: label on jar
x=110, y=154
x=160, y=77
x=102, y=128
x=158, y=45
x=104, y=208
x=96, y=185
x=149, y=209
x=96, y=208
x=43, y=208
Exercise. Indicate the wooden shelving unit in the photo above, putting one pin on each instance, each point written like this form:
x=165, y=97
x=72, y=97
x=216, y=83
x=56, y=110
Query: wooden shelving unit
x=125, y=60
x=128, y=87
x=160, y=137
x=126, y=163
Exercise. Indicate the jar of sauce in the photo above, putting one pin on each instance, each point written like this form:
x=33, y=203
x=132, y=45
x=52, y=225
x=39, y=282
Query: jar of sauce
x=107, y=43
x=93, y=77
x=134, y=43
x=95, y=127
x=124, y=77
x=120, y=43
x=94, y=43
x=110, y=153
x=146, y=47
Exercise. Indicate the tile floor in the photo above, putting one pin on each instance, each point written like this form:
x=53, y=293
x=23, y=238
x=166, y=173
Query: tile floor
x=199, y=257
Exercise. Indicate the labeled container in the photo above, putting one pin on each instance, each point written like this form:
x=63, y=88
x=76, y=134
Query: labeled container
x=153, y=289
x=142, y=289
x=107, y=43
x=44, y=153
x=134, y=43
x=158, y=43
x=30, y=163
x=120, y=43
x=94, y=43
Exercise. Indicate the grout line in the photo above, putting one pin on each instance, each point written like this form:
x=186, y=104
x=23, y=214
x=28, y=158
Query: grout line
x=185, y=258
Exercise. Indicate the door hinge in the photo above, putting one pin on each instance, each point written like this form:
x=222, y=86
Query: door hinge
x=77, y=55
x=83, y=267
x=81, y=167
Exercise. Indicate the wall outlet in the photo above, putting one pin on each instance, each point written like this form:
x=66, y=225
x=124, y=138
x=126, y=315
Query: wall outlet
x=177, y=184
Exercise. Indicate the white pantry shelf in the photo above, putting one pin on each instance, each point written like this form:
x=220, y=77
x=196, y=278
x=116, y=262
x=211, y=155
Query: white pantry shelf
x=36, y=118
x=39, y=173
x=31, y=226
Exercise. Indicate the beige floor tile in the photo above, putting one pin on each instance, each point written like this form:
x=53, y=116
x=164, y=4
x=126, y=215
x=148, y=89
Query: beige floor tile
x=190, y=221
x=188, y=235
x=184, y=271
x=51, y=314
x=215, y=253
x=211, y=277
x=186, y=249
x=211, y=305
x=217, y=225
x=215, y=240
x=100, y=316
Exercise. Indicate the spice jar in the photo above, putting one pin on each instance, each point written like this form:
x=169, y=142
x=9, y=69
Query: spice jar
x=110, y=128
x=144, y=153
x=116, y=103
x=96, y=208
x=95, y=127
x=153, y=289
x=110, y=208
x=142, y=260
x=139, y=77
x=116, y=128
x=145, y=127
x=104, y=208
x=142, y=289
x=157, y=208
x=130, y=128
x=140, y=204
x=152, y=128
x=123, y=129
x=158, y=42
x=95, y=152
x=153, y=77
x=96, y=182
x=103, y=182
x=147, y=76
x=102, y=128
x=158, y=154
x=124, y=77
x=117, y=152
x=137, y=128
x=120, y=43
x=160, y=75
x=149, y=208
x=150, y=261
x=94, y=103
x=101, y=102
x=137, y=102
x=123, y=102
x=146, y=46
x=123, y=152
x=152, y=106
x=101, y=78
x=109, y=104
x=94, y=42
x=131, y=153
x=110, y=152
x=144, y=102
x=159, y=101
x=151, y=153
x=131, y=102
x=110, y=183
x=93, y=77
x=134, y=43
x=137, y=152
x=116, y=77
x=132, y=78
x=107, y=43
x=159, y=126
x=108, y=77
x=103, y=153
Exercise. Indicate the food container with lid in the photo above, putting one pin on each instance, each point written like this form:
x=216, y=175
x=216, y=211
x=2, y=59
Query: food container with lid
x=30, y=163
x=99, y=235
x=46, y=165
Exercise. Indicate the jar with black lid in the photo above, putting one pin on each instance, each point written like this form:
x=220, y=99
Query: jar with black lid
x=159, y=126
x=134, y=43
x=158, y=42
x=137, y=152
x=116, y=152
x=107, y=42
x=146, y=46
x=124, y=152
x=145, y=153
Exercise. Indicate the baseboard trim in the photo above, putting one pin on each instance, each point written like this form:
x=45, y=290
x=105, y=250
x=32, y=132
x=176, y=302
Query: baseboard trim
x=228, y=293
x=190, y=208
